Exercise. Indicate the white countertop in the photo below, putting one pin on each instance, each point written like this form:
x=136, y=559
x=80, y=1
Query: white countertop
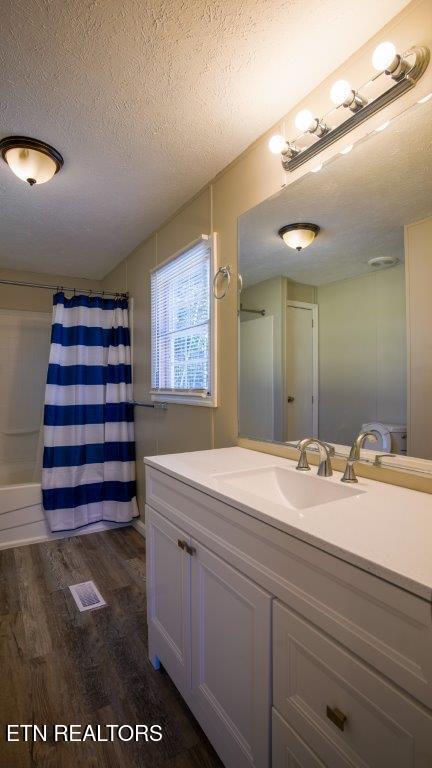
x=385, y=530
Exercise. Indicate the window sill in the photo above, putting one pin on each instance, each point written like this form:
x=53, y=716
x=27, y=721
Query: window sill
x=203, y=402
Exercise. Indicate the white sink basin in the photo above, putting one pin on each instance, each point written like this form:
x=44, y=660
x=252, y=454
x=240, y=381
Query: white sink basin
x=292, y=489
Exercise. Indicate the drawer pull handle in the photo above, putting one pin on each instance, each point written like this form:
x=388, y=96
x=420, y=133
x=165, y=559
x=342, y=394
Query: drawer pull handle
x=337, y=717
x=185, y=546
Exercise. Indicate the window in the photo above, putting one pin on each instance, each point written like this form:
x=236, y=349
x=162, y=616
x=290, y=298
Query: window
x=182, y=327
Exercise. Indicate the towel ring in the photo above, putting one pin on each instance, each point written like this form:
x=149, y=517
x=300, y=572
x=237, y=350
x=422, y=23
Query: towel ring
x=226, y=272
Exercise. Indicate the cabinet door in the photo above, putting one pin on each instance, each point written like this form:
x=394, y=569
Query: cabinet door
x=231, y=677
x=288, y=749
x=168, y=597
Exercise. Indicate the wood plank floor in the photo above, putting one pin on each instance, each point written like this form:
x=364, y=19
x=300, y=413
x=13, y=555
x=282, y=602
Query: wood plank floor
x=62, y=666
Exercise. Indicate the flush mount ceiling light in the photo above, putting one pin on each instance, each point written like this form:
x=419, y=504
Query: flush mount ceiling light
x=31, y=160
x=394, y=75
x=298, y=236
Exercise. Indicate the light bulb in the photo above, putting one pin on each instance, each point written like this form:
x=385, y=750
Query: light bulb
x=383, y=56
x=425, y=99
x=303, y=120
x=317, y=168
x=277, y=144
x=30, y=165
x=346, y=149
x=340, y=91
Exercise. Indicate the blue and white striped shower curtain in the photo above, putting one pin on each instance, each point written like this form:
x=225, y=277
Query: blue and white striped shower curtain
x=89, y=452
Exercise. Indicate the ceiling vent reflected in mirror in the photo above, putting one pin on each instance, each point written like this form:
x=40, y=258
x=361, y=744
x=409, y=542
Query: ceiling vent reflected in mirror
x=383, y=262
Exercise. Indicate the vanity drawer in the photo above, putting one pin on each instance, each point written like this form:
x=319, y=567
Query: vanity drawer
x=347, y=714
x=288, y=749
x=386, y=626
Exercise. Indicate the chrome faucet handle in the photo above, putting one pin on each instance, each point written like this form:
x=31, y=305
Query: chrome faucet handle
x=325, y=467
x=302, y=464
x=349, y=476
x=379, y=456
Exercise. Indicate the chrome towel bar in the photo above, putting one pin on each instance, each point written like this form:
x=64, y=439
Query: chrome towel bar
x=156, y=406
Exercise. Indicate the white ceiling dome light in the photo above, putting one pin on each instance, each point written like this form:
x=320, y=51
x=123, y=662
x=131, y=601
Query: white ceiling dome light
x=298, y=235
x=29, y=159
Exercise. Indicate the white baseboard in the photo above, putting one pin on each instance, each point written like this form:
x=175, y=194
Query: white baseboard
x=42, y=536
x=139, y=526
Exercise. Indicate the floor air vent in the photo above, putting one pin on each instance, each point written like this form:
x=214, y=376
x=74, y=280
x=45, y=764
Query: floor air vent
x=87, y=596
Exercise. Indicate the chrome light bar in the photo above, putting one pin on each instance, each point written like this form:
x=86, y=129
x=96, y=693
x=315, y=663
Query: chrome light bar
x=403, y=73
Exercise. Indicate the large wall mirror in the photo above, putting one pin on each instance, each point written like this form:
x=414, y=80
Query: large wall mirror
x=323, y=331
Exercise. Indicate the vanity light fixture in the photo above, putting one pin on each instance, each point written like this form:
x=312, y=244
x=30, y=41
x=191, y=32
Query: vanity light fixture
x=31, y=160
x=298, y=236
x=404, y=72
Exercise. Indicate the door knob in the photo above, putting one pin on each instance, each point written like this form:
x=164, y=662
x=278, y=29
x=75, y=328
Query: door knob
x=337, y=717
x=290, y=398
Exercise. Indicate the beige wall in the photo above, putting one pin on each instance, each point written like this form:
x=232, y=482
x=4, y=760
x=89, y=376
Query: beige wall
x=268, y=295
x=272, y=296
x=418, y=253
x=35, y=299
x=253, y=177
x=25, y=341
x=362, y=353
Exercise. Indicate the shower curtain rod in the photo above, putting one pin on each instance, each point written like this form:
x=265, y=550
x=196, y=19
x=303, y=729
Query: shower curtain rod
x=89, y=291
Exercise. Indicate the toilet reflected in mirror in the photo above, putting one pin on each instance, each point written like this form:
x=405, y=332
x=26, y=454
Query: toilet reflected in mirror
x=324, y=327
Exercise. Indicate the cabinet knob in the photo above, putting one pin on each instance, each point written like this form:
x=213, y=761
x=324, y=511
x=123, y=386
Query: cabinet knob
x=337, y=717
x=186, y=547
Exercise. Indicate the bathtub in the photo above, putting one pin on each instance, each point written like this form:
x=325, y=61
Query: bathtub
x=22, y=519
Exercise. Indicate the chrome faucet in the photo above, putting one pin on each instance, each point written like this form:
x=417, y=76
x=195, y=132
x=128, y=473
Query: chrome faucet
x=349, y=476
x=325, y=451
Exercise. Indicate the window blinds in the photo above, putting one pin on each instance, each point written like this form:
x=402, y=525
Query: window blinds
x=180, y=322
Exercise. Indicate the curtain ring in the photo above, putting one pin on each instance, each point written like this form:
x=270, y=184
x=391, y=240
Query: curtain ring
x=226, y=272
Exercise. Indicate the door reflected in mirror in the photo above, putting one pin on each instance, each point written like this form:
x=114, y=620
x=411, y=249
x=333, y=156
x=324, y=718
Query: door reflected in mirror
x=324, y=332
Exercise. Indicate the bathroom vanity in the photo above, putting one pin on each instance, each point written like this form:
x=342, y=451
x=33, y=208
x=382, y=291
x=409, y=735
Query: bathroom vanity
x=292, y=612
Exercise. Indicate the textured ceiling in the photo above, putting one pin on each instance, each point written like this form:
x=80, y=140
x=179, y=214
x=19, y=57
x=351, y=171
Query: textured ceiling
x=361, y=201
x=147, y=101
